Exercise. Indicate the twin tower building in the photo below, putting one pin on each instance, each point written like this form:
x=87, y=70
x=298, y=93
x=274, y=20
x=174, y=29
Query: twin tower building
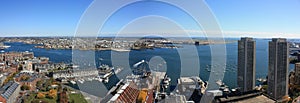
x=278, y=64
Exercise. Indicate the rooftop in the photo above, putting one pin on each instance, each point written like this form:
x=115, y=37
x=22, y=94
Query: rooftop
x=9, y=89
x=257, y=99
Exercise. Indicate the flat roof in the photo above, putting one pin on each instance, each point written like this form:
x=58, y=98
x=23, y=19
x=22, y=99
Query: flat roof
x=186, y=80
x=257, y=99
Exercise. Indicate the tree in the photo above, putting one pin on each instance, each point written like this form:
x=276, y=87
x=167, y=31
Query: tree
x=63, y=97
x=41, y=95
x=24, y=78
x=25, y=87
x=65, y=89
x=52, y=94
x=39, y=83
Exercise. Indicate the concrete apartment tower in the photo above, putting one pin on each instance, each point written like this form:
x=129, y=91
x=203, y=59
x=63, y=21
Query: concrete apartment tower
x=278, y=68
x=246, y=64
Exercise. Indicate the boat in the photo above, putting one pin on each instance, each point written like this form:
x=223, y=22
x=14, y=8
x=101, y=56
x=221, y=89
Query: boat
x=89, y=79
x=166, y=81
x=261, y=80
x=219, y=82
x=106, y=80
x=81, y=81
x=208, y=70
x=73, y=82
x=137, y=64
x=118, y=70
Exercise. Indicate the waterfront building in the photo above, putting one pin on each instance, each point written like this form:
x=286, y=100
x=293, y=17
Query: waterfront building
x=297, y=73
x=9, y=92
x=75, y=73
x=278, y=68
x=246, y=64
x=42, y=68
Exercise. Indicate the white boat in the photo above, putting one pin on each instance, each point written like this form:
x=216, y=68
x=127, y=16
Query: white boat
x=118, y=70
x=137, y=64
x=73, y=82
x=166, y=81
x=219, y=82
x=89, y=79
x=100, y=80
x=81, y=81
x=106, y=80
x=4, y=47
x=261, y=80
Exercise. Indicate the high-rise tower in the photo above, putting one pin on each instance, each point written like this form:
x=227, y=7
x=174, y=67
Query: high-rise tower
x=278, y=68
x=246, y=64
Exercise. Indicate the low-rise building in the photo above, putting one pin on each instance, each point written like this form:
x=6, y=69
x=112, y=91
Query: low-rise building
x=128, y=93
x=9, y=92
x=29, y=79
x=42, y=68
x=75, y=73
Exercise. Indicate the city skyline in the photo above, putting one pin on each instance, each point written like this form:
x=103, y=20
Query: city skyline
x=258, y=19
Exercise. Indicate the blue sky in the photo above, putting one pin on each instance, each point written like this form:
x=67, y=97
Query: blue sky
x=256, y=18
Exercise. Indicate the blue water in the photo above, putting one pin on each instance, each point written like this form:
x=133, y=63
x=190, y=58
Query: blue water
x=171, y=56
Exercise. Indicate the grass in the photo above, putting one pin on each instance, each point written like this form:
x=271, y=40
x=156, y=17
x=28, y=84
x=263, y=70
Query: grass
x=77, y=98
x=32, y=98
x=46, y=100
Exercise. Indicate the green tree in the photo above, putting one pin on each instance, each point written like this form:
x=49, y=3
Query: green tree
x=25, y=87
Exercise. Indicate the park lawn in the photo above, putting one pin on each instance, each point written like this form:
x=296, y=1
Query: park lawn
x=77, y=98
x=46, y=100
x=32, y=98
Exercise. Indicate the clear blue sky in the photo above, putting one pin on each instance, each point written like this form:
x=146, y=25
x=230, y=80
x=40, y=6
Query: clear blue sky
x=256, y=18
